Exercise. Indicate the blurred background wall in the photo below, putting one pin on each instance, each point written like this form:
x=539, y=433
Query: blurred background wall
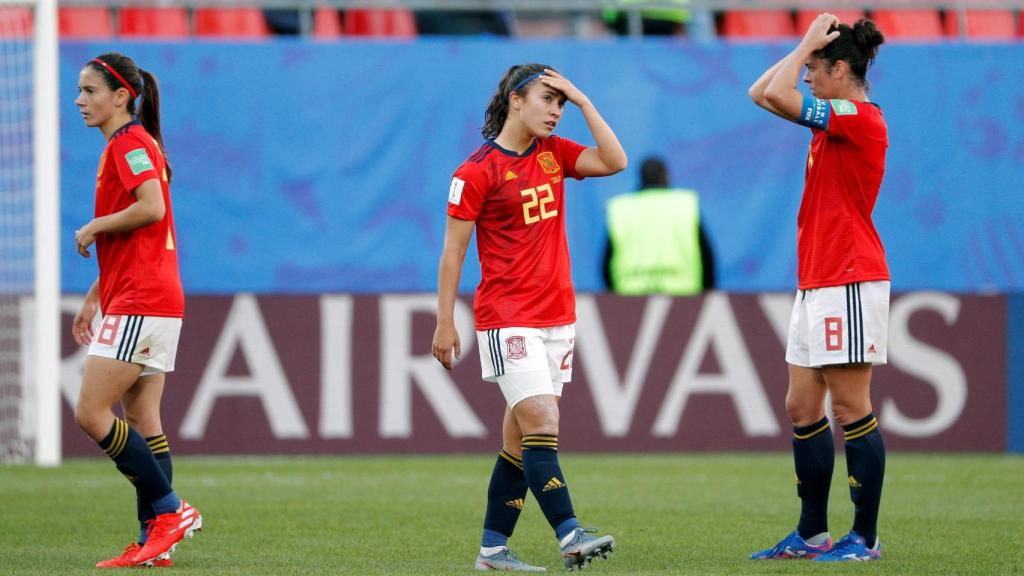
x=305, y=167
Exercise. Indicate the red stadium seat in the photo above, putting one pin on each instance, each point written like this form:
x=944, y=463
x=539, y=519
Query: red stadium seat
x=805, y=17
x=993, y=24
x=85, y=22
x=231, y=22
x=398, y=23
x=15, y=22
x=909, y=24
x=153, y=22
x=758, y=24
x=327, y=23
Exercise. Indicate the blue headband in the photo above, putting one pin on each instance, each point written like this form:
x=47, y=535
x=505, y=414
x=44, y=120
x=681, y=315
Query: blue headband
x=526, y=81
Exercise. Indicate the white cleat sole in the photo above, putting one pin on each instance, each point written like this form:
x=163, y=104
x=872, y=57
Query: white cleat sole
x=587, y=555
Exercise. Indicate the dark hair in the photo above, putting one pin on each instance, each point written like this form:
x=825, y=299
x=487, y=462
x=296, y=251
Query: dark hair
x=653, y=173
x=143, y=84
x=497, y=110
x=856, y=45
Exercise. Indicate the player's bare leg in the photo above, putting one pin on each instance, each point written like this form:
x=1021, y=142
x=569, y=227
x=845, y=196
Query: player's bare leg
x=506, y=495
x=814, y=458
x=850, y=385
x=537, y=417
x=142, y=411
x=106, y=381
x=805, y=398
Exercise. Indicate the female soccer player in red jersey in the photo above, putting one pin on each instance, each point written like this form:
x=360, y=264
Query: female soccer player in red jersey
x=511, y=190
x=139, y=293
x=838, y=328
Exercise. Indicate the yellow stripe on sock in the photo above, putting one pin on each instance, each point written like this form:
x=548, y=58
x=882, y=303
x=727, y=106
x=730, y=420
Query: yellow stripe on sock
x=540, y=441
x=124, y=438
x=511, y=459
x=161, y=446
x=811, y=434
x=120, y=438
x=854, y=436
x=861, y=428
x=157, y=439
x=113, y=441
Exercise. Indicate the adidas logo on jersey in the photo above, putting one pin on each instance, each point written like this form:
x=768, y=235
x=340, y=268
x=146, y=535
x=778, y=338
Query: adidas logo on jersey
x=517, y=503
x=510, y=175
x=871, y=349
x=553, y=484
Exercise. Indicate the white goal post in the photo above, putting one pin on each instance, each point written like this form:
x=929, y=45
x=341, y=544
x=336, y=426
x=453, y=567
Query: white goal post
x=33, y=418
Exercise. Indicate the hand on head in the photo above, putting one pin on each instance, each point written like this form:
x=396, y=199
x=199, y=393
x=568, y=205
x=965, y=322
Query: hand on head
x=562, y=84
x=821, y=32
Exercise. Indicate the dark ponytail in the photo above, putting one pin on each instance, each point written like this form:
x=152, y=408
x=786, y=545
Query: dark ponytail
x=149, y=112
x=140, y=82
x=856, y=45
x=497, y=110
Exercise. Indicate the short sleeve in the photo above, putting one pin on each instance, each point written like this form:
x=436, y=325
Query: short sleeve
x=467, y=192
x=134, y=161
x=569, y=152
x=815, y=113
x=846, y=119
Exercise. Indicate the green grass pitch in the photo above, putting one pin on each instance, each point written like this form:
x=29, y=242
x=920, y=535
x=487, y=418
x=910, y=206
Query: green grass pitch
x=670, y=514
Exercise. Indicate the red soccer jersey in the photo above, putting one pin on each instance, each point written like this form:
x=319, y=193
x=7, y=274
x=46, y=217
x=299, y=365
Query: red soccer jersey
x=518, y=203
x=138, y=269
x=836, y=241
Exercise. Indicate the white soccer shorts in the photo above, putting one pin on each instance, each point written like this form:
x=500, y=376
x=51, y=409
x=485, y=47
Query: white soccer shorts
x=527, y=361
x=151, y=341
x=839, y=325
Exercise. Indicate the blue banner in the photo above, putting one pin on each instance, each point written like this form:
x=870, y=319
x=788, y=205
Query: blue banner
x=304, y=167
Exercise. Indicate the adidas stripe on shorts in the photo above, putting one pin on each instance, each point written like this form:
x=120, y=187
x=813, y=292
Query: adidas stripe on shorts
x=839, y=325
x=151, y=341
x=507, y=355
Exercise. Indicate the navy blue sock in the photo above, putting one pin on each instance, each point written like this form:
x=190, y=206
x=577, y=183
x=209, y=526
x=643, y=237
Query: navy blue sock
x=814, y=454
x=865, y=462
x=544, y=475
x=135, y=460
x=162, y=452
x=505, y=498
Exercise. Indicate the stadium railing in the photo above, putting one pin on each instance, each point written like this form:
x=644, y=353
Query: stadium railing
x=902, y=19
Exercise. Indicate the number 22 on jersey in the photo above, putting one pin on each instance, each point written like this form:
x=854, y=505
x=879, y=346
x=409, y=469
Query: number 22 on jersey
x=538, y=198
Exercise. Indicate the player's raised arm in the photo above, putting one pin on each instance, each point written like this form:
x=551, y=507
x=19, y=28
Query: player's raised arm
x=758, y=88
x=782, y=93
x=607, y=157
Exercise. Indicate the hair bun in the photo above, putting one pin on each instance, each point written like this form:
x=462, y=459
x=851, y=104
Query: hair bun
x=868, y=37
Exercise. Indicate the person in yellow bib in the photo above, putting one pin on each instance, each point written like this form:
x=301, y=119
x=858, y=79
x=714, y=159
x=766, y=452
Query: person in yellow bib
x=656, y=242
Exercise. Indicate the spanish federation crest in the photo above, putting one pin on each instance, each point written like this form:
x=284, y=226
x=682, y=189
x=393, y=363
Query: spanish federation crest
x=547, y=162
x=516, y=346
